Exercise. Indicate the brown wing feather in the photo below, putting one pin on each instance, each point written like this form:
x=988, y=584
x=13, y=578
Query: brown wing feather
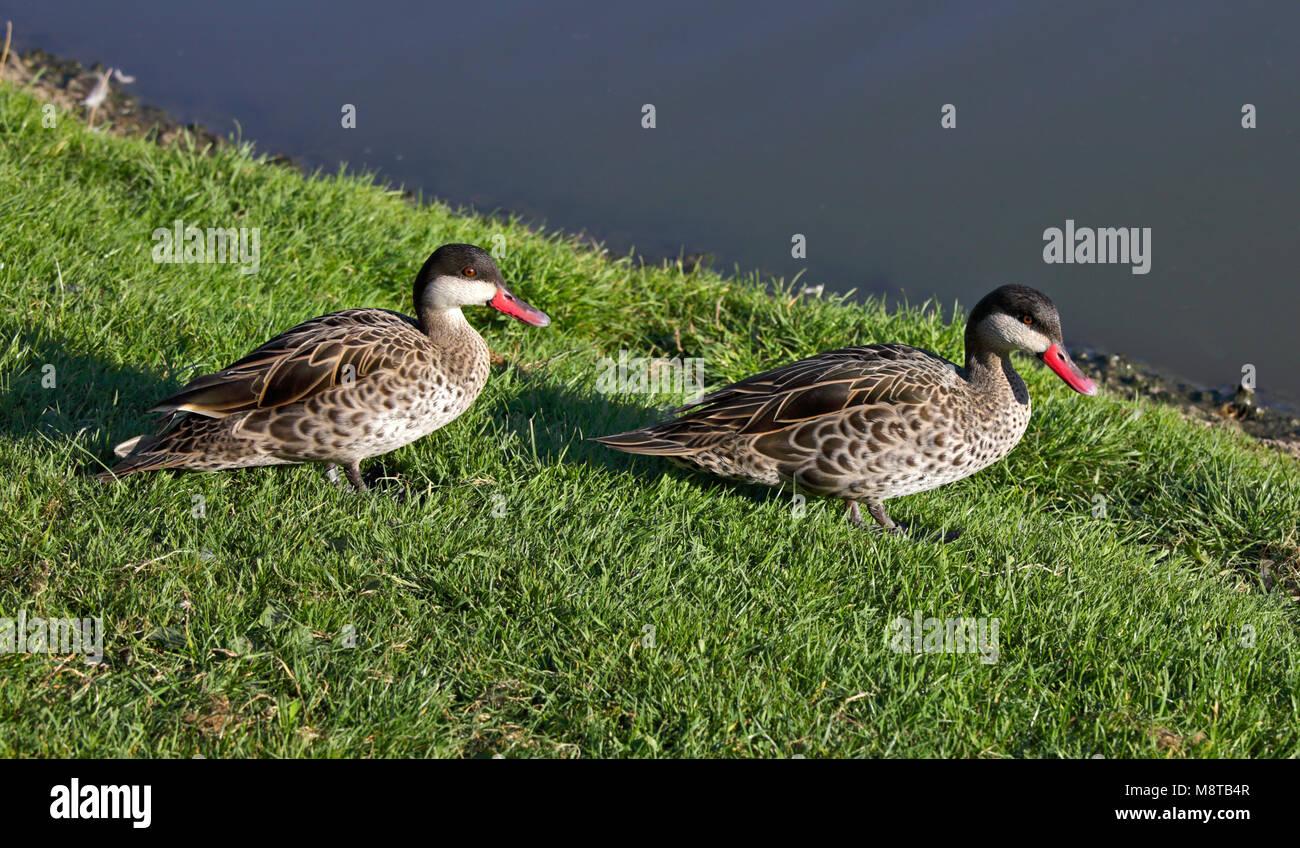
x=295, y=365
x=778, y=400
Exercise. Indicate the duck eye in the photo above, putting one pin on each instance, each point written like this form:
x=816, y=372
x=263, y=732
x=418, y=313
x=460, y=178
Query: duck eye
x=1028, y=319
x=467, y=271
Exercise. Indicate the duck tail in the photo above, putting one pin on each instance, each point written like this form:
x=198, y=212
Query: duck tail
x=148, y=452
x=141, y=453
x=647, y=440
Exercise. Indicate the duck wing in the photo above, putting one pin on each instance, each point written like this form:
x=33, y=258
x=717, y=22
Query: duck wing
x=301, y=362
x=771, y=406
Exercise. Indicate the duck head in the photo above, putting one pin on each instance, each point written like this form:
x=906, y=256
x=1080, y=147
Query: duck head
x=1020, y=318
x=459, y=275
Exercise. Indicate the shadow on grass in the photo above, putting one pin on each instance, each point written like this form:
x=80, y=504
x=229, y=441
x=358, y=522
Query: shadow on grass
x=561, y=423
x=64, y=393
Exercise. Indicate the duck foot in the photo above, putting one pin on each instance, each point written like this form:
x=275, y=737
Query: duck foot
x=353, y=470
x=885, y=525
x=378, y=476
x=877, y=511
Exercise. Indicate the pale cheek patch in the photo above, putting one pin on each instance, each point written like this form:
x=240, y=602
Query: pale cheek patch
x=448, y=292
x=1017, y=335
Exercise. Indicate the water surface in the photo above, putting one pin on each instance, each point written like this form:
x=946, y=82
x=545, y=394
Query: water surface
x=821, y=119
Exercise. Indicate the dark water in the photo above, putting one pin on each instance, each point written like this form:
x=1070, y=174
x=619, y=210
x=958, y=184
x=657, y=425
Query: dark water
x=815, y=118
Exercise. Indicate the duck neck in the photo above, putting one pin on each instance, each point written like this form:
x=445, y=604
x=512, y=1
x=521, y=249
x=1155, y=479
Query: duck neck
x=436, y=323
x=445, y=325
x=991, y=373
x=459, y=354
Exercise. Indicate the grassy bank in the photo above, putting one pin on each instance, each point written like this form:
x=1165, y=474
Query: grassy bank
x=504, y=607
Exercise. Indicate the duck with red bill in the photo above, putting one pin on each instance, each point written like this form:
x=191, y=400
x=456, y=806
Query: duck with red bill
x=870, y=422
x=339, y=388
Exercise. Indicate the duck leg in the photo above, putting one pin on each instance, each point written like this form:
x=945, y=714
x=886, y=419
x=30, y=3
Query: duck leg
x=353, y=469
x=876, y=509
x=379, y=477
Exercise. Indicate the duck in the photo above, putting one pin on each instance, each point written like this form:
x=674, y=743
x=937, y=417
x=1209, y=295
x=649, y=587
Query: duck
x=339, y=388
x=869, y=423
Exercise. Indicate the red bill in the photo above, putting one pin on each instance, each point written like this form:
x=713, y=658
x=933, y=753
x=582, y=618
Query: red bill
x=506, y=301
x=1060, y=362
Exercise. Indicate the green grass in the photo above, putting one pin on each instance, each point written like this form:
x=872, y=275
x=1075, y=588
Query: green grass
x=501, y=609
